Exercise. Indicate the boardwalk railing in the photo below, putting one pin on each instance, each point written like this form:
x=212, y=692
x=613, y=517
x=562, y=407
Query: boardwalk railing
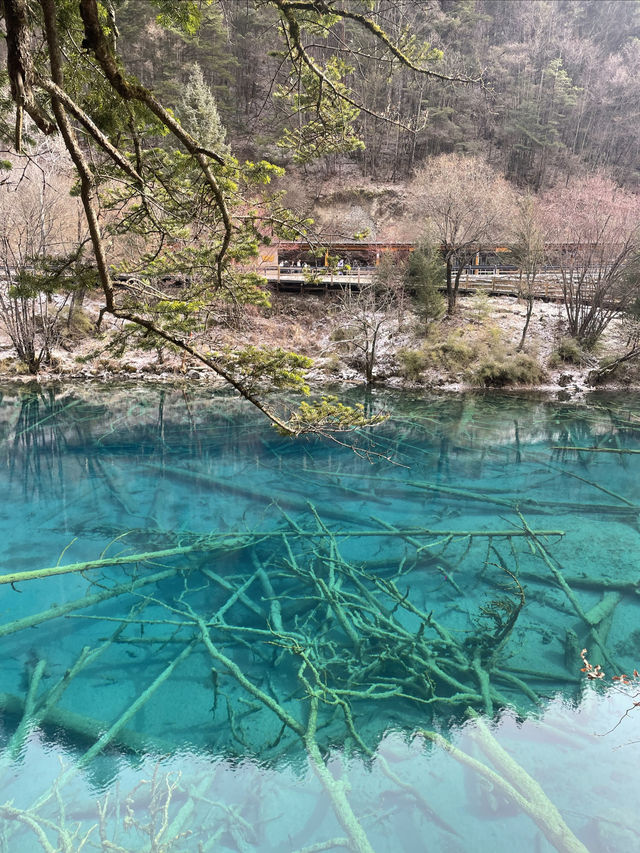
x=296, y=279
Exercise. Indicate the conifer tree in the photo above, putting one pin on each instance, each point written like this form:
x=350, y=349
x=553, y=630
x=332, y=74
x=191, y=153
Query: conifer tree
x=199, y=113
x=174, y=184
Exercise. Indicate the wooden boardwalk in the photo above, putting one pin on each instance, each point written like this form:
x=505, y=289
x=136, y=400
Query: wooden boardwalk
x=297, y=280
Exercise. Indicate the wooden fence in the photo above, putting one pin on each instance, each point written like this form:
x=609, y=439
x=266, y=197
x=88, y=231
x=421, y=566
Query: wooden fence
x=310, y=280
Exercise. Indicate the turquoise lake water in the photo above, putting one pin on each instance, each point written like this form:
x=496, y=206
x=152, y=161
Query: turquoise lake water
x=250, y=643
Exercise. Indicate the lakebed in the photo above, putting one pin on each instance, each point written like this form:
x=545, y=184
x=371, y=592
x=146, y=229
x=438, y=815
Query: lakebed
x=245, y=642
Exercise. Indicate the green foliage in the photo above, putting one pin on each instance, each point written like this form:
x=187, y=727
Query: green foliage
x=480, y=306
x=623, y=369
x=177, y=318
x=413, y=362
x=133, y=336
x=452, y=353
x=519, y=369
x=88, y=357
x=198, y=113
x=329, y=415
x=568, y=351
x=328, y=120
x=416, y=49
x=184, y=16
x=332, y=363
x=76, y=325
x=476, y=355
x=312, y=276
x=536, y=124
x=262, y=172
x=264, y=368
x=425, y=275
x=200, y=37
x=15, y=367
x=49, y=275
x=245, y=288
x=340, y=334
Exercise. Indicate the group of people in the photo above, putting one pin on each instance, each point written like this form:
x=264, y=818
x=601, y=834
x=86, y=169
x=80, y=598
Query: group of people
x=342, y=266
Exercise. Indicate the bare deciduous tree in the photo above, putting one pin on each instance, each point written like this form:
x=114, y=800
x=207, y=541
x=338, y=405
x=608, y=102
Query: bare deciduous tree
x=370, y=311
x=592, y=234
x=38, y=235
x=528, y=252
x=464, y=205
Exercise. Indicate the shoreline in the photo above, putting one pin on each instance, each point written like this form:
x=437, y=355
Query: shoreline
x=317, y=388
x=443, y=356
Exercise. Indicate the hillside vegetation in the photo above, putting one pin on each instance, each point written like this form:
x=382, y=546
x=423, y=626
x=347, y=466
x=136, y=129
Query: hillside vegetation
x=556, y=89
x=153, y=150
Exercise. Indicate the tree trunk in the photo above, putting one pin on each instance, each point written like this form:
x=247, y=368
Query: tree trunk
x=77, y=298
x=527, y=319
x=526, y=323
x=456, y=283
x=452, y=293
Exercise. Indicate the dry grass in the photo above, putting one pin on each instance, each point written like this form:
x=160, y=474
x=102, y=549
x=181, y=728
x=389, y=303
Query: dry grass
x=452, y=353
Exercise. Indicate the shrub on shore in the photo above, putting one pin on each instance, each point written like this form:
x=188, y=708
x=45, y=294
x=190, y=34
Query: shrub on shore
x=568, y=351
x=507, y=369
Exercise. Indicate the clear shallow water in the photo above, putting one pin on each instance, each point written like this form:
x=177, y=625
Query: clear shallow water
x=267, y=580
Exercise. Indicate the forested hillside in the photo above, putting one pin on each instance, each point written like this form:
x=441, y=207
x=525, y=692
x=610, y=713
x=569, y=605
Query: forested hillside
x=153, y=150
x=555, y=89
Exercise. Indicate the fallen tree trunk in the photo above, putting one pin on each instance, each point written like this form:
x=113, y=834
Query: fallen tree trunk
x=81, y=603
x=222, y=542
x=82, y=727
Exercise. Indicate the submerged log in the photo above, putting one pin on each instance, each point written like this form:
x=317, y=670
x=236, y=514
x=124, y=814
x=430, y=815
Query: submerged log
x=234, y=488
x=628, y=587
x=80, y=603
x=601, y=617
x=562, y=583
x=84, y=728
x=18, y=739
x=596, y=449
x=539, y=806
x=222, y=542
x=530, y=505
x=226, y=542
x=553, y=677
x=516, y=783
x=572, y=647
x=603, y=608
x=113, y=733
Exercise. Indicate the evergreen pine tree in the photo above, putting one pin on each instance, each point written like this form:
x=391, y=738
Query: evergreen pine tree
x=199, y=113
x=425, y=277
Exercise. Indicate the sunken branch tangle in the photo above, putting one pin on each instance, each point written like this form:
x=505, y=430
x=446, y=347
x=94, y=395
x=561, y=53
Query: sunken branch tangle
x=307, y=649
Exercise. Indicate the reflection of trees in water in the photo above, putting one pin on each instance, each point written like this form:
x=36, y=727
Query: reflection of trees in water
x=491, y=424
x=36, y=444
x=50, y=435
x=159, y=418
